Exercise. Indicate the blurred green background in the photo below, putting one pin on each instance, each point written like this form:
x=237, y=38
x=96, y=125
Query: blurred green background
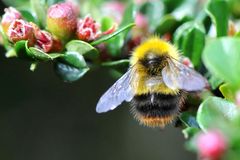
x=43, y=118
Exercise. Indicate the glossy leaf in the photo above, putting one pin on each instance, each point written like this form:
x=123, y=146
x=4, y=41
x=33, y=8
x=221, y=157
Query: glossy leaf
x=28, y=16
x=20, y=48
x=221, y=57
x=42, y=56
x=40, y=9
x=191, y=40
x=69, y=73
x=108, y=37
x=167, y=24
x=218, y=10
x=83, y=48
x=74, y=59
x=215, y=110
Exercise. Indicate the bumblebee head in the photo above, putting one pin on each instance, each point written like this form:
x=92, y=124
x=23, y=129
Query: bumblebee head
x=153, y=50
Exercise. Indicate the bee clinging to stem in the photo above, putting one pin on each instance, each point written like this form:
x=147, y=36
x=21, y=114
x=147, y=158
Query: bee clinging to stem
x=155, y=84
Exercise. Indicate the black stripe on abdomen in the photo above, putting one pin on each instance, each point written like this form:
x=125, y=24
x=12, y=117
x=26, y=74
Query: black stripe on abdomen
x=157, y=105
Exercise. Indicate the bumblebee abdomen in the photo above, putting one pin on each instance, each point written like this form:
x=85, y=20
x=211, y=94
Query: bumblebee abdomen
x=156, y=109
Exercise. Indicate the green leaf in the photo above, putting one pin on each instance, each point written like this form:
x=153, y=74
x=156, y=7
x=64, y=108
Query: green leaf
x=83, y=48
x=221, y=57
x=190, y=39
x=180, y=33
x=38, y=54
x=20, y=48
x=69, y=73
x=39, y=7
x=193, y=44
x=74, y=59
x=129, y=15
x=167, y=24
x=108, y=37
x=190, y=132
x=215, y=110
x=228, y=91
x=218, y=10
x=154, y=11
x=28, y=16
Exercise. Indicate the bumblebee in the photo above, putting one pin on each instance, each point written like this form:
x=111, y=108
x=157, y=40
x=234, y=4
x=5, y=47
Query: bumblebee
x=155, y=84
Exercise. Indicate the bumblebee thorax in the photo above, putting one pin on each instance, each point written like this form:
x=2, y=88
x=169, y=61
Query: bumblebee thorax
x=153, y=63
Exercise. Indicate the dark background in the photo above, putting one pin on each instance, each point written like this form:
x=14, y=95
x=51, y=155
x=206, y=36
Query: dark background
x=43, y=118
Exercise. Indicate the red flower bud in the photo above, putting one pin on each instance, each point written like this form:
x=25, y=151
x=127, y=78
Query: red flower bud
x=21, y=30
x=211, y=145
x=45, y=41
x=88, y=29
x=62, y=21
x=9, y=16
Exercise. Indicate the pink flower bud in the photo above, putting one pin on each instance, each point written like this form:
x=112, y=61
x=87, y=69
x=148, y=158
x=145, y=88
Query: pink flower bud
x=88, y=29
x=62, y=20
x=21, y=30
x=211, y=145
x=141, y=21
x=9, y=16
x=44, y=40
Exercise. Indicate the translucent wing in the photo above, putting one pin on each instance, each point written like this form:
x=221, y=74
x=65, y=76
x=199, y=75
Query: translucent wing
x=177, y=75
x=120, y=91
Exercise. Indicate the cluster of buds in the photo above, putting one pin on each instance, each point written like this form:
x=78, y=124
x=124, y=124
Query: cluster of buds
x=63, y=22
x=17, y=29
x=62, y=25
